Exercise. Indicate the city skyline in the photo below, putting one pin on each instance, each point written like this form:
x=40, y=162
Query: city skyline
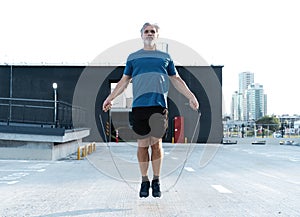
x=249, y=102
x=255, y=36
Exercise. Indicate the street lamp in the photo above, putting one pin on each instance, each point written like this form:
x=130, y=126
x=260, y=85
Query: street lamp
x=54, y=85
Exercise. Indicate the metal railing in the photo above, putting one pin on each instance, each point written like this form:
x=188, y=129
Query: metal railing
x=260, y=131
x=40, y=112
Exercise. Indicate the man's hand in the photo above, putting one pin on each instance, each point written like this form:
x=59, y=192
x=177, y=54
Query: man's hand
x=194, y=103
x=107, y=104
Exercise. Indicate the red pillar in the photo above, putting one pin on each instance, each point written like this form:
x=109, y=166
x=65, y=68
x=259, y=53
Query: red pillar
x=179, y=129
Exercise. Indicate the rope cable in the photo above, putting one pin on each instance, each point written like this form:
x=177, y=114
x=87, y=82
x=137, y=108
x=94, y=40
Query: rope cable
x=118, y=170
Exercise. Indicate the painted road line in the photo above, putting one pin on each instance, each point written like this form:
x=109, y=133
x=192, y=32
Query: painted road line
x=189, y=169
x=12, y=182
x=38, y=166
x=221, y=189
x=294, y=159
x=25, y=170
x=9, y=182
x=12, y=178
x=15, y=161
x=268, y=175
x=293, y=182
x=281, y=179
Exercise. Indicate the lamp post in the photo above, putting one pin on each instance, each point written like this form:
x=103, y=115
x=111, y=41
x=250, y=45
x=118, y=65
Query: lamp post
x=54, y=85
x=10, y=93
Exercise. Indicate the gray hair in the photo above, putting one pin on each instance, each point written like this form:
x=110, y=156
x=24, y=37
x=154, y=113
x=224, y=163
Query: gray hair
x=149, y=24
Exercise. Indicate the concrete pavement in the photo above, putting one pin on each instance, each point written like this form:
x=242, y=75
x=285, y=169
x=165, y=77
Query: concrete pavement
x=238, y=180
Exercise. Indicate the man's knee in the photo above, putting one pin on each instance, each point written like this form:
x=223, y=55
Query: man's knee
x=156, y=147
x=156, y=150
x=144, y=143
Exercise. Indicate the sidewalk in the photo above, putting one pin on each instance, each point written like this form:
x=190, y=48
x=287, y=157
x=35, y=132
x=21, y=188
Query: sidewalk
x=240, y=180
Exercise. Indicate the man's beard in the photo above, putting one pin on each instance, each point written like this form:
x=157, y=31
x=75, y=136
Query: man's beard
x=149, y=42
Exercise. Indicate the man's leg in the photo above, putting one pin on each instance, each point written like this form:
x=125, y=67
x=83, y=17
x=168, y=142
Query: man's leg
x=156, y=158
x=143, y=158
x=143, y=155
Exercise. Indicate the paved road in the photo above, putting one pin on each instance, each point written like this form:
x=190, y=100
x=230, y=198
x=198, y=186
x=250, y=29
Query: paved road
x=239, y=180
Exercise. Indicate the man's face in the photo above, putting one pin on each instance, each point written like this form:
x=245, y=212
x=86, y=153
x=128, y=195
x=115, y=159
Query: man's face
x=149, y=35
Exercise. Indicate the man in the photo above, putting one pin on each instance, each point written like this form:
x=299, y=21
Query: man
x=150, y=71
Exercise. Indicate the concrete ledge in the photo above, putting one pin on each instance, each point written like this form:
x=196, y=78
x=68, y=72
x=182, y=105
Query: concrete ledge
x=31, y=129
x=40, y=147
x=68, y=135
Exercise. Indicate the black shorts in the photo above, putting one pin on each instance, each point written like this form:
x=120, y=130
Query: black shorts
x=149, y=121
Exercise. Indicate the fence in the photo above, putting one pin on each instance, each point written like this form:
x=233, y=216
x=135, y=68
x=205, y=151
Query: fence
x=261, y=130
x=40, y=112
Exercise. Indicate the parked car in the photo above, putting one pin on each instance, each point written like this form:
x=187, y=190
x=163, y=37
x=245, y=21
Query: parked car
x=289, y=142
x=277, y=135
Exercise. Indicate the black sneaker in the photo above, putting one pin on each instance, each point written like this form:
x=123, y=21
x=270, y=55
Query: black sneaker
x=156, y=188
x=144, y=192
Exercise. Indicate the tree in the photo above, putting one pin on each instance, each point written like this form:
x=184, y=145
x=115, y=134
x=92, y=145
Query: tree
x=272, y=121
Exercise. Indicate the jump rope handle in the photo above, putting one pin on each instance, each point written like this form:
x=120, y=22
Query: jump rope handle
x=199, y=111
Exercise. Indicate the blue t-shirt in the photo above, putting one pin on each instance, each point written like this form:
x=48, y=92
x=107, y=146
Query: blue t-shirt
x=150, y=82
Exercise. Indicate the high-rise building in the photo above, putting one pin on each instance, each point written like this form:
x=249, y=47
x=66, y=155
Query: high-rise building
x=256, y=101
x=245, y=79
x=250, y=102
x=265, y=104
x=236, y=106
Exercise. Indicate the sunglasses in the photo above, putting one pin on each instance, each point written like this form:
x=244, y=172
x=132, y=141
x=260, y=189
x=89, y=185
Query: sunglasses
x=151, y=31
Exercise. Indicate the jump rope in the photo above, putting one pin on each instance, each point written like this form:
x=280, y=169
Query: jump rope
x=118, y=170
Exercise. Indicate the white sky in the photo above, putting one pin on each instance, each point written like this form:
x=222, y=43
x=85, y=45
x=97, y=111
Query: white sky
x=260, y=36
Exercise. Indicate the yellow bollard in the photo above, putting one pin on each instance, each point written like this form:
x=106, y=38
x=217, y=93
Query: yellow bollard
x=172, y=139
x=88, y=149
x=185, y=139
x=83, y=151
x=78, y=153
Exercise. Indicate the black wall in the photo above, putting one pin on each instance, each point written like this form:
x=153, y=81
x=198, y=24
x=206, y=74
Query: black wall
x=35, y=82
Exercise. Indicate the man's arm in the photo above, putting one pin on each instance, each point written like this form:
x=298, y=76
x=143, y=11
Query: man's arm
x=120, y=87
x=181, y=86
